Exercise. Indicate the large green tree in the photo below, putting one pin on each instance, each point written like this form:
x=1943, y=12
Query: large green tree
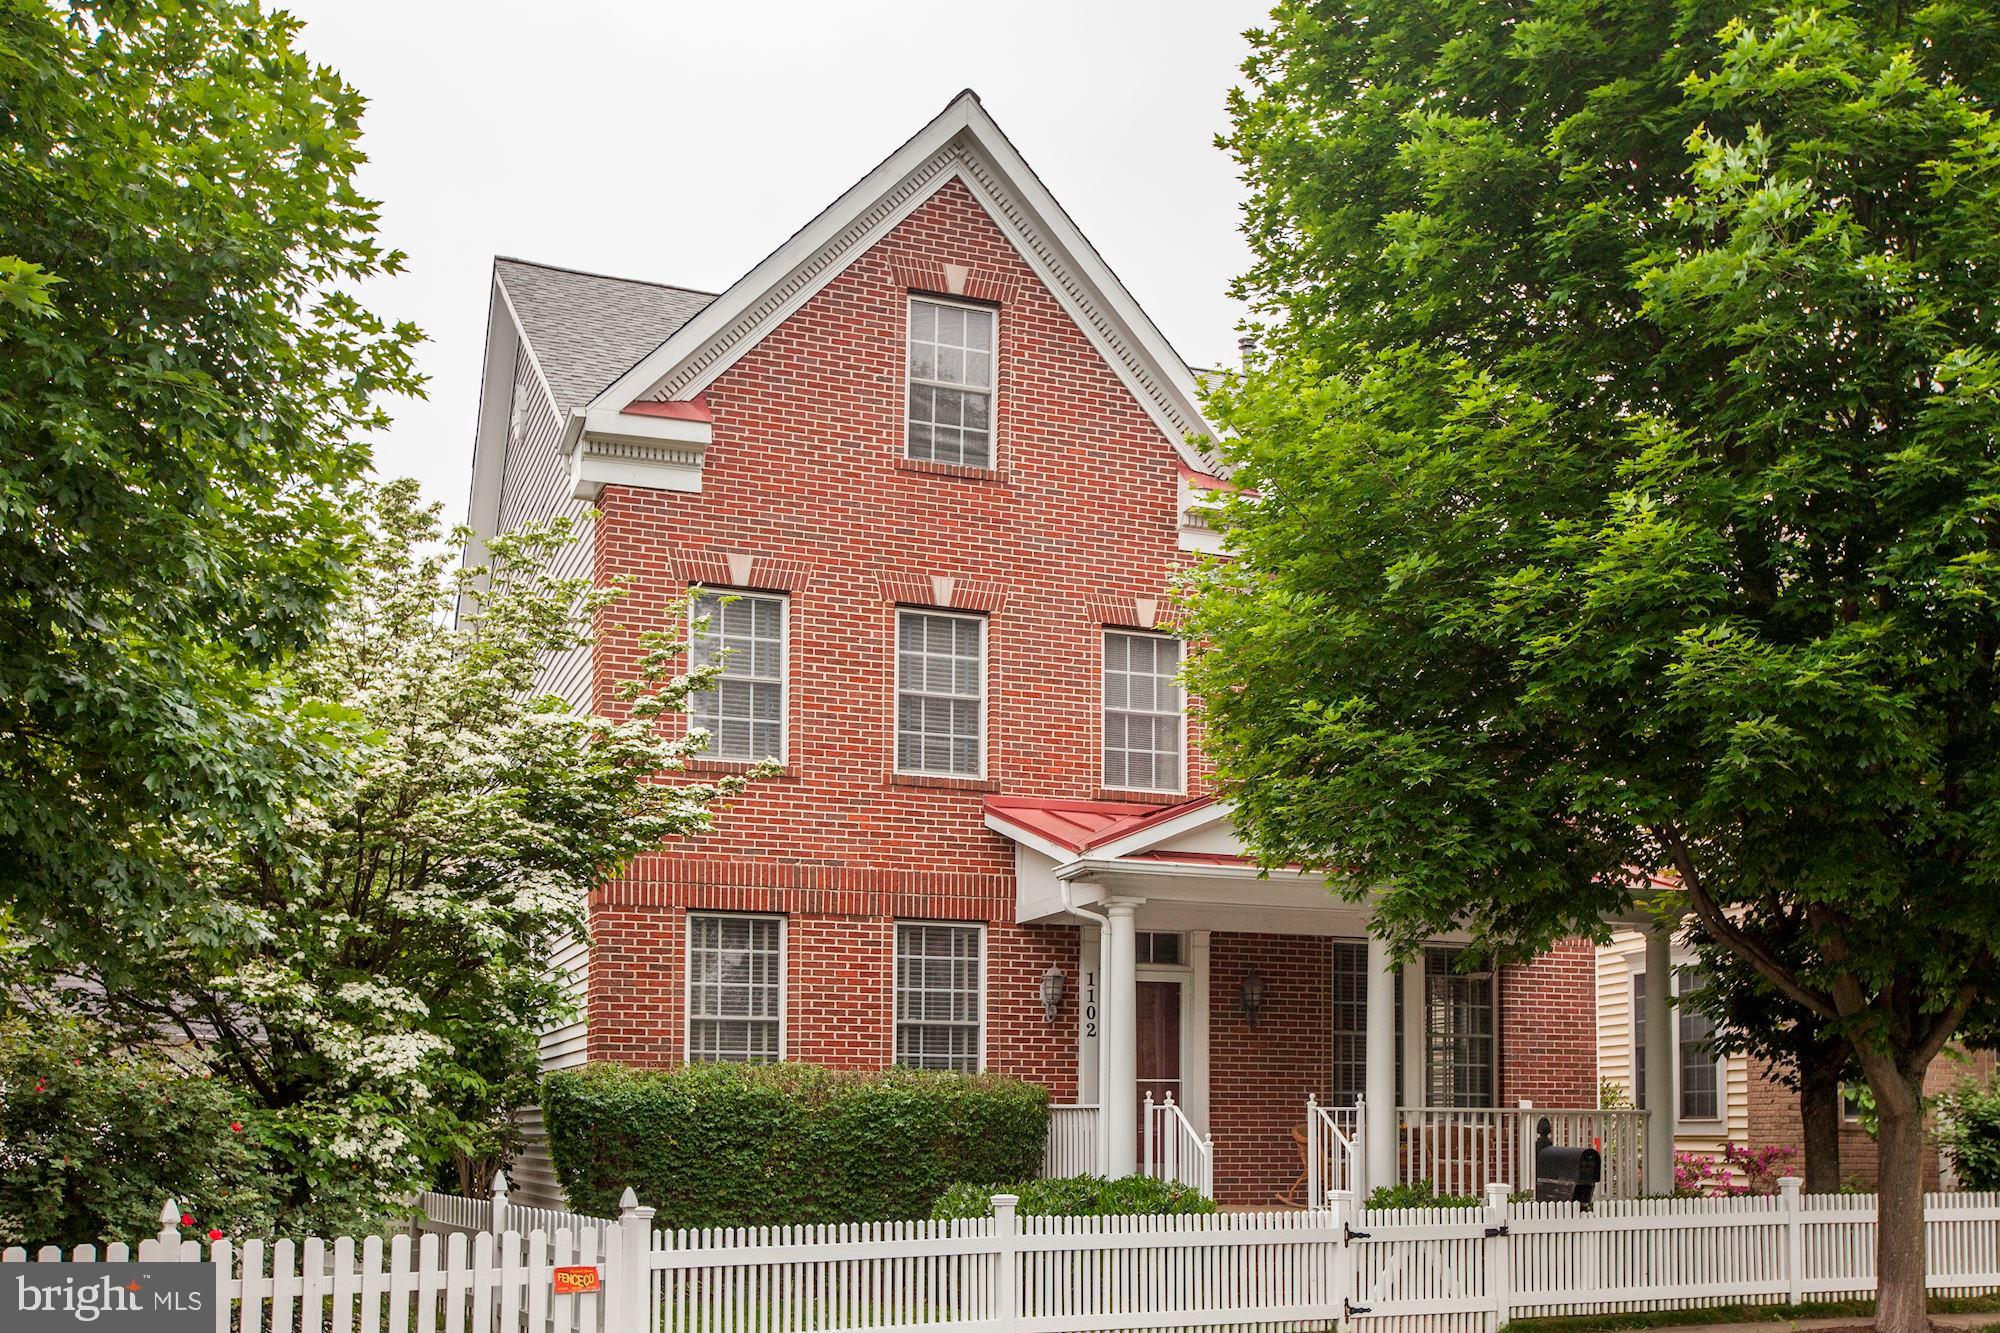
x=1625, y=455
x=185, y=389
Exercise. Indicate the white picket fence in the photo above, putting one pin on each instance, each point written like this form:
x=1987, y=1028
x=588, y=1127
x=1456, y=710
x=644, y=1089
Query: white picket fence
x=1369, y=1271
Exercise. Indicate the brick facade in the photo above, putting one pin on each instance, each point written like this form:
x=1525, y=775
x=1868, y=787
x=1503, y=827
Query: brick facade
x=1774, y=1115
x=1073, y=528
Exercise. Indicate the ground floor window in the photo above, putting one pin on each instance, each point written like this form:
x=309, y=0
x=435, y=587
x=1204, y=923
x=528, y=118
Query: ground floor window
x=735, y=988
x=1459, y=1031
x=939, y=996
x=1350, y=1023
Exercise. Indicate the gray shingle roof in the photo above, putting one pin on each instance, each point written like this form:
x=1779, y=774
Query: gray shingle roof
x=587, y=329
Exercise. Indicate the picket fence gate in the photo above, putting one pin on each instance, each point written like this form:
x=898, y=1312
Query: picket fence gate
x=1422, y=1270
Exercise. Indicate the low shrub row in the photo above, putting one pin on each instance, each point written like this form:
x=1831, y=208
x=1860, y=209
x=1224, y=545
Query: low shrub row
x=785, y=1144
x=1076, y=1196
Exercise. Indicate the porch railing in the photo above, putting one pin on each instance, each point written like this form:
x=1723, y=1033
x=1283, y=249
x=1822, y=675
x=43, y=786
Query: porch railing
x=1461, y=1150
x=1173, y=1150
x=1072, y=1145
x=1333, y=1150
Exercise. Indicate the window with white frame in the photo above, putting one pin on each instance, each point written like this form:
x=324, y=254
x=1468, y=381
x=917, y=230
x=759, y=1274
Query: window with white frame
x=940, y=693
x=1349, y=1023
x=951, y=383
x=744, y=712
x=735, y=988
x=1700, y=1073
x=938, y=996
x=1142, y=712
x=1459, y=1030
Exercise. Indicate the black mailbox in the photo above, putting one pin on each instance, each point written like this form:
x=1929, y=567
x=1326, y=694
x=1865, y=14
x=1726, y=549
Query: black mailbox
x=1564, y=1175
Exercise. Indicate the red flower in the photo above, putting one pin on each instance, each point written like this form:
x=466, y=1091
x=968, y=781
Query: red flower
x=215, y=1233
x=236, y=1127
x=187, y=1219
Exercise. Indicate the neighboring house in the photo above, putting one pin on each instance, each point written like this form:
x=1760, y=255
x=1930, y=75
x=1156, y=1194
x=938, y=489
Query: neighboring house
x=940, y=460
x=1727, y=1099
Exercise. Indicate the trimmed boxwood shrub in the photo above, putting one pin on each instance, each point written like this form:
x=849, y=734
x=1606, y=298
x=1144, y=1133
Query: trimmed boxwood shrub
x=1076, y=1196
x=1418, y=1194
x=772, y=1145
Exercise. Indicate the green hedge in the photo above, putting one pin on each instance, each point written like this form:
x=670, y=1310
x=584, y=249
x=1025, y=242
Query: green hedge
x=1076, y=1196
x=770, y=1145
x=1420, y=1194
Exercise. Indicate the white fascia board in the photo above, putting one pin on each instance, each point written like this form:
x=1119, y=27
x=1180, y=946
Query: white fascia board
x=1205, y=540
x=964, y=117
x=720, y=313
x=1188, y=821
x=1099, y=867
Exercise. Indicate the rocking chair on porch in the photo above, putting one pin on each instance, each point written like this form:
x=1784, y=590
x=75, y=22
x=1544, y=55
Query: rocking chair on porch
x=1294, y=1197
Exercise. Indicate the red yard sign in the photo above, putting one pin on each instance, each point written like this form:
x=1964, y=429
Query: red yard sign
x=574, y=1281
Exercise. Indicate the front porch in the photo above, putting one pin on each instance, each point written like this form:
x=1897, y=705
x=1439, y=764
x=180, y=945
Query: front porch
x=1246, y=1035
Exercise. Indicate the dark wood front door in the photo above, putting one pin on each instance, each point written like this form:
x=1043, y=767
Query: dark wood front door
x=1159, y=1013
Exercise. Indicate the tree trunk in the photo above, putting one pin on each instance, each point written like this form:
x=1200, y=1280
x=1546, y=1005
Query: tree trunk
x=1819, y=1117
x=1899, y=1201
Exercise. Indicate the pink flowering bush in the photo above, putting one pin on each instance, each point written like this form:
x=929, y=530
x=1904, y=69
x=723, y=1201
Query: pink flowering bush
x=1736, y=1171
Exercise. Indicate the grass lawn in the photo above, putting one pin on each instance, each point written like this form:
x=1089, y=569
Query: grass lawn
x=1742, y=1314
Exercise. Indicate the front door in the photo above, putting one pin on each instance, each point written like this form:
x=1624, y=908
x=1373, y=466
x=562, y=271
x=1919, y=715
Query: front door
x=1159, y=1013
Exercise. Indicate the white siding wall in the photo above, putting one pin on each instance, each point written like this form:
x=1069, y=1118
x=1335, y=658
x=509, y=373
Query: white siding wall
x=1618, y=963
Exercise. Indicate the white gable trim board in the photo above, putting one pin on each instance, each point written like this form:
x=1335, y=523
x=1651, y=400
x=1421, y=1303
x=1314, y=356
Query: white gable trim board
x=962, y=144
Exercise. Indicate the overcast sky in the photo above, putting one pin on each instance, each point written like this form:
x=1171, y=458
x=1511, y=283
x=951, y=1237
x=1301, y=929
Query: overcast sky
x=682, y=142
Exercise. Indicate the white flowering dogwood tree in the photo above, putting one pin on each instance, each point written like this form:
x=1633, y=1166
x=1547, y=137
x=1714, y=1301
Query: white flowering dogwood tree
x=377, y=986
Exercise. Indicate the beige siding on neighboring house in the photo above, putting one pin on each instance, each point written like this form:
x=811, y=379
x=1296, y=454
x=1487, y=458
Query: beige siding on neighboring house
x=1619, y=963
x=536, y=488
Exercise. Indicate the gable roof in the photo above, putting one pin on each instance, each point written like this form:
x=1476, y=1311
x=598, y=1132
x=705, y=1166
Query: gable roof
x=587, y=329
x=965, y=144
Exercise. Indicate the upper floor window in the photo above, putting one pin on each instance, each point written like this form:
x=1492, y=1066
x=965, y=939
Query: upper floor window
x=951, y=383
x=1142, y=712
x=940, y=693
x=744, y=714
x=735, y=988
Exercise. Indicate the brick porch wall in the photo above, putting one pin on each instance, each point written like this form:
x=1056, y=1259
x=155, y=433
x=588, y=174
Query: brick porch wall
x=1548, y=1034
x=1259, y=1076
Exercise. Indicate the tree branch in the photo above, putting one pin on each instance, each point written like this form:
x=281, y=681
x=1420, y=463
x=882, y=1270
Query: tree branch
x=1718, y=924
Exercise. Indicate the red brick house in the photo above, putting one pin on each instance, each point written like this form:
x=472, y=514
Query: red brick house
x=946, y=468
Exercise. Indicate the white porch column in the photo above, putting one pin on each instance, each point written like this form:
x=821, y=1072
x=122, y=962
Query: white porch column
x=1118, y=1048
x=1378, y=1134
x=1662, y=1056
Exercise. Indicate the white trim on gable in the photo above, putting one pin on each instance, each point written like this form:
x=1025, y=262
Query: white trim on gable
x=963, y=143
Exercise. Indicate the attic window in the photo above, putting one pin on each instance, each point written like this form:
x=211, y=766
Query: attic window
x=950, y=416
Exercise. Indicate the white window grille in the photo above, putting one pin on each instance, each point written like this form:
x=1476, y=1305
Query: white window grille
x=735, y=988
x=1142, y=712
x=951, y=383
x=938, y=996
x=940, y=688
x=744, y=713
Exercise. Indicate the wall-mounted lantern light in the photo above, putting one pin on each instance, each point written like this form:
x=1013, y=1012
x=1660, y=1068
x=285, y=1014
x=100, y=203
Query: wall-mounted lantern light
x=1251, y=998
x=1053, y=985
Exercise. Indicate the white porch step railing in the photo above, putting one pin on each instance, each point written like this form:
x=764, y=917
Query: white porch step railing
x=1333, y=1151
x=1173, y=1150
x=1462, y=1150
x=1072, y=1144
